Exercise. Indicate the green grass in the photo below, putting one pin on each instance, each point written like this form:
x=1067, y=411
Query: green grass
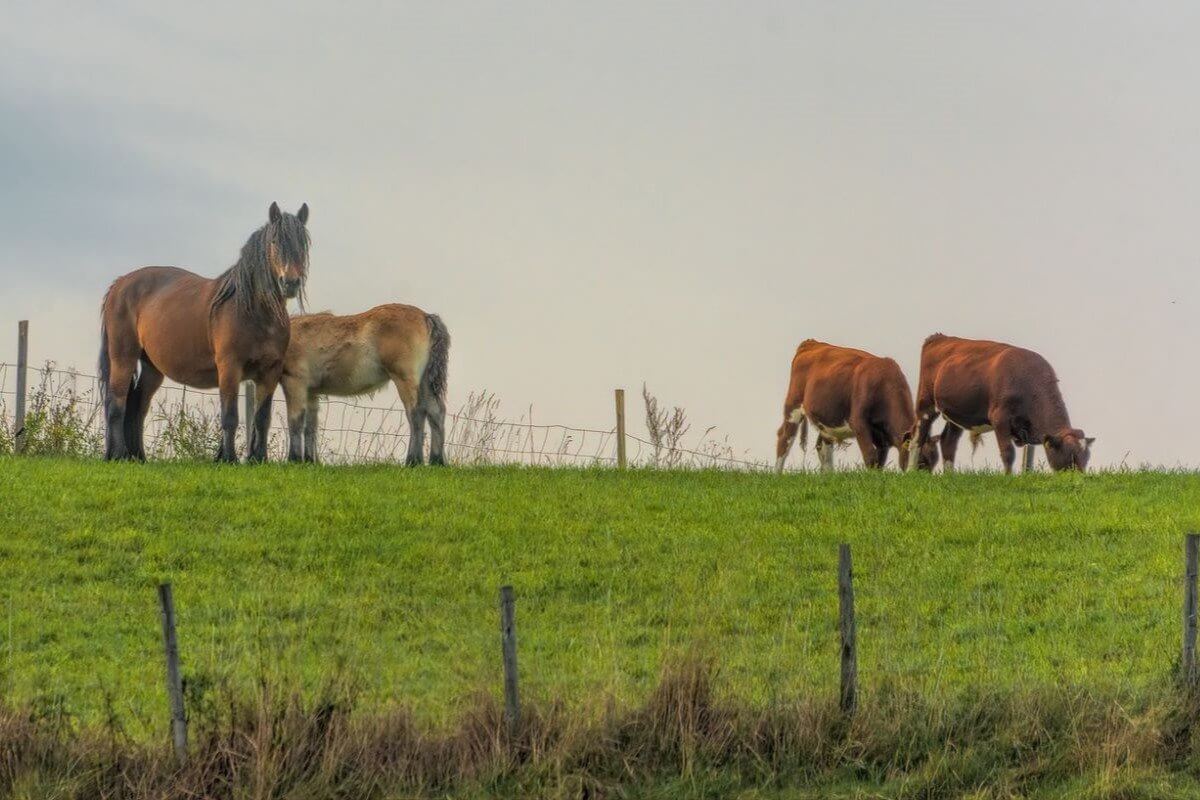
x=388, y=577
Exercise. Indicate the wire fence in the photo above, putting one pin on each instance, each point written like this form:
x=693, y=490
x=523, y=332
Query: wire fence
x=64, y=416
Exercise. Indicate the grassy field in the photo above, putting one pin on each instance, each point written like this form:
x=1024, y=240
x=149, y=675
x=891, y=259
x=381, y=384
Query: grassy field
x=387, y=578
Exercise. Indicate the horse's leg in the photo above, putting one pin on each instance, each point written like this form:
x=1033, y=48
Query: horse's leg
x=229, y=375
x=116, y=403
x=408, y=387
x=264, y=393
x=148, y=382
x=295, y=394
x=311, y=420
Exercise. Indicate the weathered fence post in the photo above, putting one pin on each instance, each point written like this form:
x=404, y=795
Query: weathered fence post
x=508, y=643
x=849, y=693
x=1027, y=464
x=1191, y=566
x=620, y=397
x=174, y=679
x=22, y=379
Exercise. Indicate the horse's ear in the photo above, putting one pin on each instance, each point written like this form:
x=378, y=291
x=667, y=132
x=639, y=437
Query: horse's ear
x=302, y=214
x=273, y=212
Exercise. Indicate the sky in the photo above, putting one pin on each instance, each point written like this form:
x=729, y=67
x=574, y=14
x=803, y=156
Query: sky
x=600, y=195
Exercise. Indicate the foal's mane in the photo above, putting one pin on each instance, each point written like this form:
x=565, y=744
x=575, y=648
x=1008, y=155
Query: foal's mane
x=250, y=283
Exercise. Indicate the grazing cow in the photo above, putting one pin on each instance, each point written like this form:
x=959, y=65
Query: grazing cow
x=846, y=392
x=982, y=386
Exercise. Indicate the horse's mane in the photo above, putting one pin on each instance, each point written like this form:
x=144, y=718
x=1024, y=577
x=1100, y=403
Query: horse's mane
x=250, y=283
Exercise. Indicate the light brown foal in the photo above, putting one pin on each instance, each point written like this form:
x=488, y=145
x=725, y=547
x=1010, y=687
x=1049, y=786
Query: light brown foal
x=358, y=354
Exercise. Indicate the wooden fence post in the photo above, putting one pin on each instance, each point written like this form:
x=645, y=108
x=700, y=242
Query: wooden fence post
x=1191, y=566
x=174, y=679
x=1027, y=464
x=849, y=692
x=22, y=380
x=620, y=397
x=508, y=643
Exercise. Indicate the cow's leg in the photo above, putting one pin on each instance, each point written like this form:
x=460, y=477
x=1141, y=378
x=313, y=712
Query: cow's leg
x=825, y=453
x=951, y=434
x=927, y=413
x=1008, y=450
x=792, y=419
x=868, y=443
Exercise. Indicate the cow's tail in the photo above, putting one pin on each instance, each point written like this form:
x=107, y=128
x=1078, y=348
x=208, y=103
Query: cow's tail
x=976, y=438
x=803, y=433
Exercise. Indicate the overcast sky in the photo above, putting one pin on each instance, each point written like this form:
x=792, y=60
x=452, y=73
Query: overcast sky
x=596, y=196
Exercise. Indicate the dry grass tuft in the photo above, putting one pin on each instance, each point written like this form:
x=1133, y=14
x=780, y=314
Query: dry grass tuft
x=899, y=744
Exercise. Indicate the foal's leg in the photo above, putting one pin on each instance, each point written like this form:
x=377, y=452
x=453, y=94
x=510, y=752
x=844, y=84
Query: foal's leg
x=435, y=412
x=295, y=393
x=135, y=413
x=408, y=388
x=264, y=394
x=228, y=378
x=311, y=414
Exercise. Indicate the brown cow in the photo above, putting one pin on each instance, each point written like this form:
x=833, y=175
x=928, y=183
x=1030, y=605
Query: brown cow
x=846, y=392
x=983, y=386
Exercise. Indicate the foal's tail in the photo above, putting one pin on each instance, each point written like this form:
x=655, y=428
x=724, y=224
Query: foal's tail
x=433, y=379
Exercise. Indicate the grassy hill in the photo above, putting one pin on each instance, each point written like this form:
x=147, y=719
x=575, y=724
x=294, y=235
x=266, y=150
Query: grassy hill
x=386, y=579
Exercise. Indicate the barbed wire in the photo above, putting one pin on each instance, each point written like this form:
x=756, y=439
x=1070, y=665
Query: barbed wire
x=184, y=421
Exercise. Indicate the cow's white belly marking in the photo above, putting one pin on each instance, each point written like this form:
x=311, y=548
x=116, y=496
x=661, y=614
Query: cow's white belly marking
x=840, y=433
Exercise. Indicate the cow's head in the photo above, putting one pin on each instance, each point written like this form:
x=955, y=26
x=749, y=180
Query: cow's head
x=1068, y=449
x=927, y=453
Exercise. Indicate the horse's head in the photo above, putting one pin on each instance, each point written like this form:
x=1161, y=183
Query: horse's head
x=287, y=249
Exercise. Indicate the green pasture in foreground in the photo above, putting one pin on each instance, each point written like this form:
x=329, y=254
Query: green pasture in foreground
x=388, y=577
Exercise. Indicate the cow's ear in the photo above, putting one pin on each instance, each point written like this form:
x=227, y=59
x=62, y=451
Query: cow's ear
x=1088, y=441
x=935, y=439
x=1052, y=441
x=906, y=438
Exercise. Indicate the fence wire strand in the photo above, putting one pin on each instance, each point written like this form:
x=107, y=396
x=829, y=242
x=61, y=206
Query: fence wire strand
x=64, y=415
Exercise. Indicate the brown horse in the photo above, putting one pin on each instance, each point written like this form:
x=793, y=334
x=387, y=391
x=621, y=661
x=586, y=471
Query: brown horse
x=202, y=332
x=331, y=355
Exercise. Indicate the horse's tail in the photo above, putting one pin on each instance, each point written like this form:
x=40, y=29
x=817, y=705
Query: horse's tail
x=433, y=379
x=103, y=367
x=103, y=370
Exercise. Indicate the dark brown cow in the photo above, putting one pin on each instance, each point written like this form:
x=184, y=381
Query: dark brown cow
x=983, y=386
x=846, y=392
